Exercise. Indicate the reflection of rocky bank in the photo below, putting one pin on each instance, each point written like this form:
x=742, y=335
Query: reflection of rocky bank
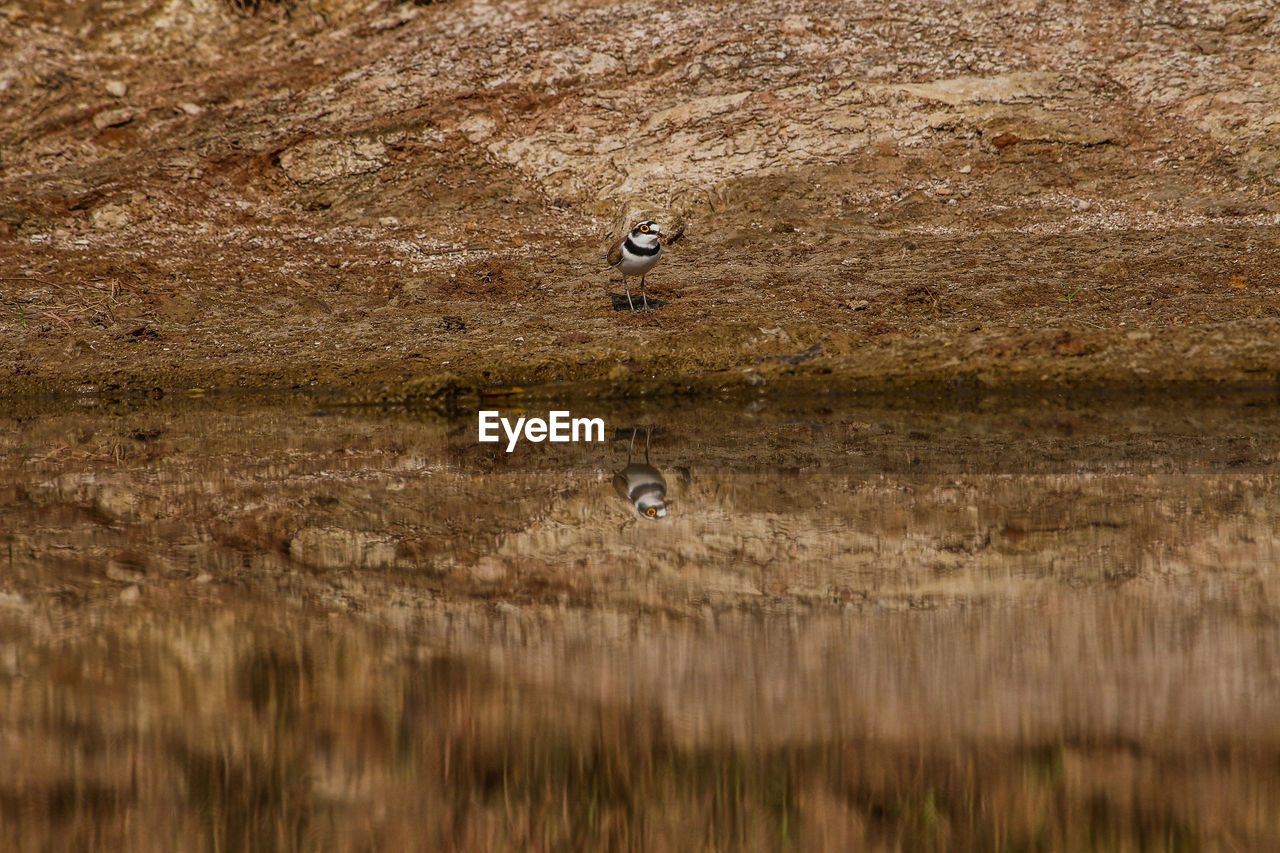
x=741, y=537
x=871, y=506
x=330, y=616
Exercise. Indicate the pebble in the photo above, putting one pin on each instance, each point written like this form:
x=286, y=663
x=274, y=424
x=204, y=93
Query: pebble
x=112, y=118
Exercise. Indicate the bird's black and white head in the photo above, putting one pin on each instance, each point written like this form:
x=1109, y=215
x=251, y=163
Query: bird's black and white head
x=646, y=234
x=652, y=505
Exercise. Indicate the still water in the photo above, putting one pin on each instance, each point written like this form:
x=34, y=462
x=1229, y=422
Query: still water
x=231, y=625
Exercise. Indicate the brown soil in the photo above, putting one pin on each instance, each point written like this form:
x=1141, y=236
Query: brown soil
x=358, y=196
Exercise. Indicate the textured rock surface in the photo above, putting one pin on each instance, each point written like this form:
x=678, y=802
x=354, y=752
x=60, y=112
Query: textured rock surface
x=1005, y=189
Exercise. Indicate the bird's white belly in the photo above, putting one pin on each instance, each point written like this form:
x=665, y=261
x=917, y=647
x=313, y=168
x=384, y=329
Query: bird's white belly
x=637, y=264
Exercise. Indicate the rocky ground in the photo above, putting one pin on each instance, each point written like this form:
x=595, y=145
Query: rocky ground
x=361, y=196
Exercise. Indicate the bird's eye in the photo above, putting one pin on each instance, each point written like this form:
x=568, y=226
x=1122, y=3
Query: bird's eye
x=644, y=228
x=651, y=512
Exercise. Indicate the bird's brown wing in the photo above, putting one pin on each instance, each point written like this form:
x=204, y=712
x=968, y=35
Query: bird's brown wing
x=614, y=255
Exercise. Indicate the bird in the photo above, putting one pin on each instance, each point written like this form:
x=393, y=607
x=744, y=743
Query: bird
x=642, y=485
x=636, y=254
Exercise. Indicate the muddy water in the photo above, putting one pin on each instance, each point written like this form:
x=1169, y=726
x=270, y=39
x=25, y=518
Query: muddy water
x=227, y=624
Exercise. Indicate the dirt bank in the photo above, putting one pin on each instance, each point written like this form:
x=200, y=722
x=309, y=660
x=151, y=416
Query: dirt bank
x=354, y=196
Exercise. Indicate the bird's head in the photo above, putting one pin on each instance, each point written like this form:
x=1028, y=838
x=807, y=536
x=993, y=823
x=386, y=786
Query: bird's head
x=646, y=233
x=652, y=507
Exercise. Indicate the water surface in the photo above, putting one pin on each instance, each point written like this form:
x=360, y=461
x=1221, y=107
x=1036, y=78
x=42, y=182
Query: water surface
x=227, y=625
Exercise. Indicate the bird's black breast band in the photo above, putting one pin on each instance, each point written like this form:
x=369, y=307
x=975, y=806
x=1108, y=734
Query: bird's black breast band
x=640, y=250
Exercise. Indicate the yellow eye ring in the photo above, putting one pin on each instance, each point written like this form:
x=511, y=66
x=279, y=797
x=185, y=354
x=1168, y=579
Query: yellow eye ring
x=644, y=229
x=651, y=512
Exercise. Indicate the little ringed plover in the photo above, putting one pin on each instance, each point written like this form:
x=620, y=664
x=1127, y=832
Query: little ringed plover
x=642, y=485
x=636, y=254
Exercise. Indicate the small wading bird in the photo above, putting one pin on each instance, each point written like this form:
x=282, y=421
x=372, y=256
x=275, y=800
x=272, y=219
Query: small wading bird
x=642, y=485
x=636, y=254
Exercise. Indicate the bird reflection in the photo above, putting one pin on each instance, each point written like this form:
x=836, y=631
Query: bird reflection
x=642, y=485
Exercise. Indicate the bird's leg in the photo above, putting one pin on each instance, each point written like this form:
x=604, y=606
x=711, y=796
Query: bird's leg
x=632, y=446
x=628, y=288
x=644, y=295
x=648, y=434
